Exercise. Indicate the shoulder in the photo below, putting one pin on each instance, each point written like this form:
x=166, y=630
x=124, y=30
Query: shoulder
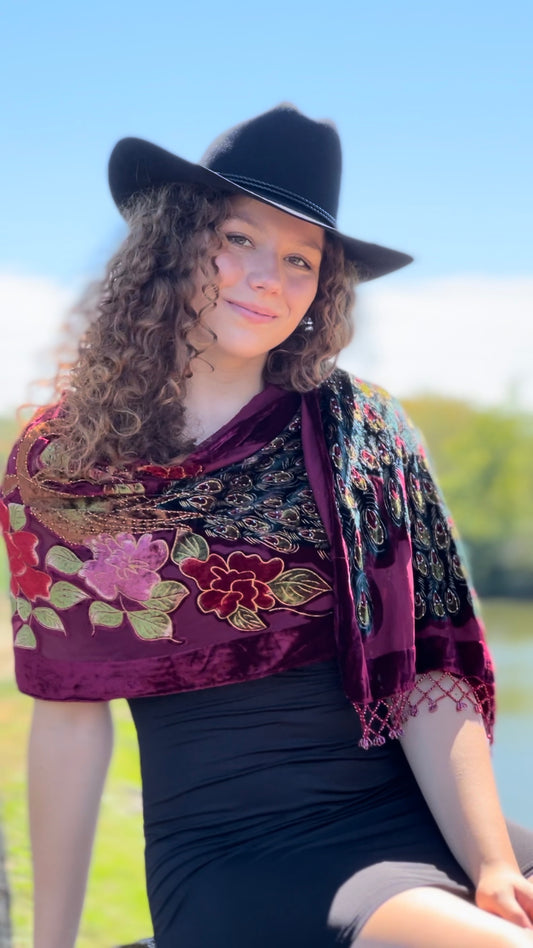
x=35, y=438
x=36, y=461
x=345, y=384
x=354, y=401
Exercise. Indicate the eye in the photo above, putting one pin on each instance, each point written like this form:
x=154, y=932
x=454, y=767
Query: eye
x=299, y=262
x=240, y=240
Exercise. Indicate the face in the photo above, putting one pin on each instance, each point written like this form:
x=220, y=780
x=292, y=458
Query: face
x=268, y=277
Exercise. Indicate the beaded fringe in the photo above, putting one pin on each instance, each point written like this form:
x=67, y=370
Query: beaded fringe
x=384, y=719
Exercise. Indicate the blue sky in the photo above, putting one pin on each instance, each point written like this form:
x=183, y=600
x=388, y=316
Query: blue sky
x=432, y=101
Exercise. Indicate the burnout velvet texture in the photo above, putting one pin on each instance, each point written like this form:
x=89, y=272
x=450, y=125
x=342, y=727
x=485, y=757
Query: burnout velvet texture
x=309, y=526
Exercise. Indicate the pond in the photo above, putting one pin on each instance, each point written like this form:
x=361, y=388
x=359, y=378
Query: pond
x=510, y=632
x=513, y=745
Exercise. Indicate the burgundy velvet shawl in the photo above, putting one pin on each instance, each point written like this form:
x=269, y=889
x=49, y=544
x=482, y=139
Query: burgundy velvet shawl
x=102, y=569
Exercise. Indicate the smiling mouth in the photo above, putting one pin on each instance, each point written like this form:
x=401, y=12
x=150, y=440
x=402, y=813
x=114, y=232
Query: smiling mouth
x=253, y=310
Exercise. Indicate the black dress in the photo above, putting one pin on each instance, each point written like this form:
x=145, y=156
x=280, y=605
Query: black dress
x=267, y=826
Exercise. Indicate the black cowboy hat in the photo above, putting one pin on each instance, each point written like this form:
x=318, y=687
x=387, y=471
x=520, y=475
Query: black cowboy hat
x=280, y=157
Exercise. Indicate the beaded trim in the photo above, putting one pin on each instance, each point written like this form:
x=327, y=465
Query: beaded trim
x=116, y=506
x=385, y=719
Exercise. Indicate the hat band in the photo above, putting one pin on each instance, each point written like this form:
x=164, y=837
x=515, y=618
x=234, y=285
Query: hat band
x=270, y=188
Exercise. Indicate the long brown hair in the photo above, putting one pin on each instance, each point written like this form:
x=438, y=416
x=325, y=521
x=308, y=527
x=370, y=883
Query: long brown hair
x=122, y=395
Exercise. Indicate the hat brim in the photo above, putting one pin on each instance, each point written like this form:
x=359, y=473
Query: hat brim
x=137, y=165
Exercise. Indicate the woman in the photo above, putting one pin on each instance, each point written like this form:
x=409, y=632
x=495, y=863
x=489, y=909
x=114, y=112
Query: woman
x=247, y=544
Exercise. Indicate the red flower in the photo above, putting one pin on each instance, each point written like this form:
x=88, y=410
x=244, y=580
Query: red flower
x=241, y=581
x=20, y=545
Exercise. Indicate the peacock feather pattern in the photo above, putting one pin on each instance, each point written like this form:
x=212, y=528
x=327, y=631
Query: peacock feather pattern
x=380, y=468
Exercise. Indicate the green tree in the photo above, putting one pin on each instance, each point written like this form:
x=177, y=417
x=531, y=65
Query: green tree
x=484, y=463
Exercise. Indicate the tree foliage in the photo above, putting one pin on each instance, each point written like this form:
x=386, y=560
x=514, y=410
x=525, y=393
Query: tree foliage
x=484, y=463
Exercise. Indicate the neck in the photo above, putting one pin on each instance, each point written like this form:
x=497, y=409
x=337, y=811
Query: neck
x=214, y=395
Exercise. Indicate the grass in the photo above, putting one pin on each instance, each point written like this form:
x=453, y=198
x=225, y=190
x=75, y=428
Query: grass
x=116, y=909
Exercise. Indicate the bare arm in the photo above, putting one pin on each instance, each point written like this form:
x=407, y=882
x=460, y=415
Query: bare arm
x=449, y=755
x=69, y=752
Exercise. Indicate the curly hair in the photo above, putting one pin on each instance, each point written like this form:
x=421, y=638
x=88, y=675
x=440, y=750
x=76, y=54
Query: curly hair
x=122, y=394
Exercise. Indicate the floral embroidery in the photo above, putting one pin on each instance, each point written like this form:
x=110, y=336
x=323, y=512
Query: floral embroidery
x=21, y=550
x=124, y=565
x=237, y=588
x=152, y=621
x=123, y=568
x=28, y=583
x=241, y=581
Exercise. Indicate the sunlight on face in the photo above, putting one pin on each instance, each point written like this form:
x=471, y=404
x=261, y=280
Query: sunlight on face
x=268, y=270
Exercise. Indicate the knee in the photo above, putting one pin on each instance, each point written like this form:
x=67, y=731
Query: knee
x=523, y=938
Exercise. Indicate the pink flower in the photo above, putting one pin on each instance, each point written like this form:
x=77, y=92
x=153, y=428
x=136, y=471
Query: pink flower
x=123, y=565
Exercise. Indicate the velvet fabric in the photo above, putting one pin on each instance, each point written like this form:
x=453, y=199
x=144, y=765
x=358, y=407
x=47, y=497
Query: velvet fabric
x=117, y=592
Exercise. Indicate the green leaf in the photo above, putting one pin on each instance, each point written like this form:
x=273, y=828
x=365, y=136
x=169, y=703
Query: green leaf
x=191, y=545
x=13, y=602
x=151, y=625
x=63, y=560
x=49, y=618
x=166, y=596
x=246, y=620
x=25, y=638
x=17, y=516
x=23, y=607
x=63, y=595
x=297, y=586
x=101, y=613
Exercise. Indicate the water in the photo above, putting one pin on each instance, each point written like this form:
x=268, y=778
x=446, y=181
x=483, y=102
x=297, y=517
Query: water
x=513, y=765
x=513, y=745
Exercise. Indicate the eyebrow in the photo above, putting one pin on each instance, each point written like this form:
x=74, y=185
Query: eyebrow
x=242, y=216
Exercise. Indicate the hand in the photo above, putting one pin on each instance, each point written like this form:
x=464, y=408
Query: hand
x=503, y=891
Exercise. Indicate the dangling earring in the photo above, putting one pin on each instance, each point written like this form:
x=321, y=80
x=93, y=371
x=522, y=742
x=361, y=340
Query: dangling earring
x=210, y=291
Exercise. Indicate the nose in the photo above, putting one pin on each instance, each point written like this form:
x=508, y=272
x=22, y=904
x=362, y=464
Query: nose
x=265, y=273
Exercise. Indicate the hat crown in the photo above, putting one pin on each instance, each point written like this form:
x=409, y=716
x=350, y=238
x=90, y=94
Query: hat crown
x=284, y=156
x=281, y=156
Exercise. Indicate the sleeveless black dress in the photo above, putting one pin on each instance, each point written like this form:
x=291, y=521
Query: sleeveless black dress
x=267, y=826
